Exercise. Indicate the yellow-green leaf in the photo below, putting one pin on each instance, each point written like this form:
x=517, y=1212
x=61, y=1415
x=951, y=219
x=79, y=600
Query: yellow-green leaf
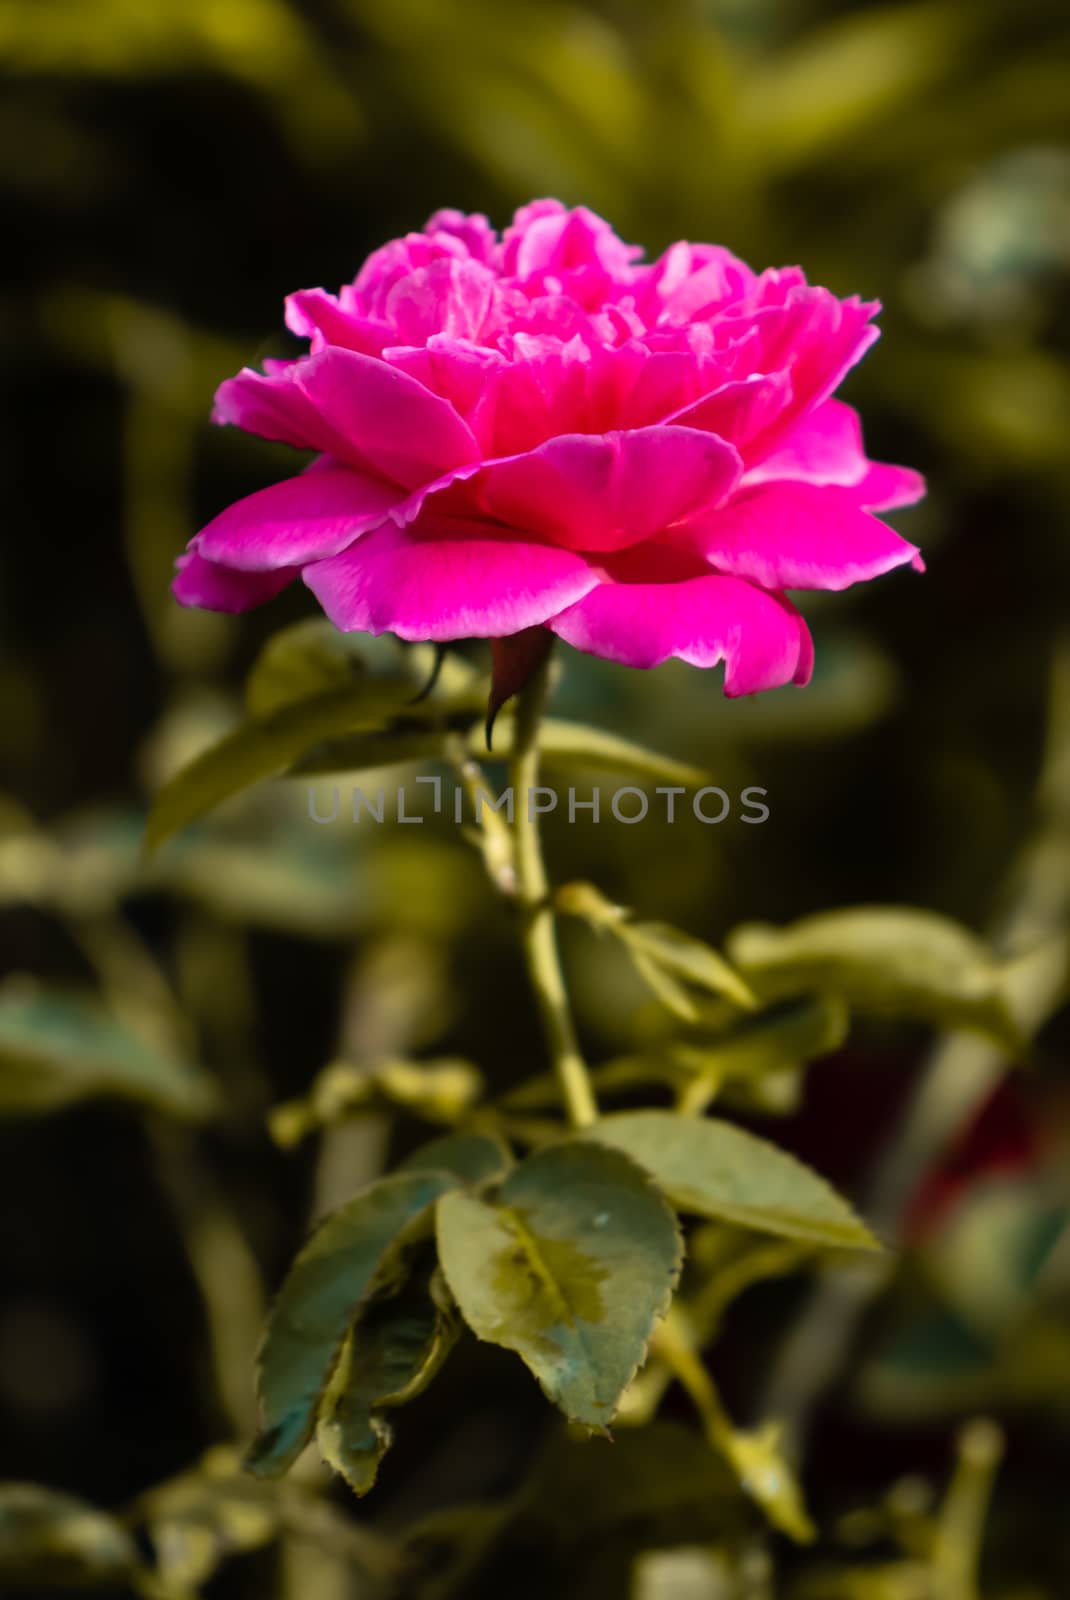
x=663, y=955
x=266, y=746
x=892, y=960
x=571, y=1268
x=716, y=1170
x=53, y=1539
x=440, y=1091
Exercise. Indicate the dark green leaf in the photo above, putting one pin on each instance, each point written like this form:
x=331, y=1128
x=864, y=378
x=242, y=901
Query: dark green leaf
x=353, y=1255
x=716, y=1170
x=571, y=1269
x=471, y=1157
x=391, y=1353
x=57, y=1047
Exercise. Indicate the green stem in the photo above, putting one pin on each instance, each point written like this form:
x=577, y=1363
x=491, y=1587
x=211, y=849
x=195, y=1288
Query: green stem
x=539, y=931
x=957, y=1551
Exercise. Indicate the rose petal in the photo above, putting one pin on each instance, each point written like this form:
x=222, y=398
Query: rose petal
x=355, y=408
x=799, y=536
x=204, y=583
x=545, y=237
x=740, y=410
x=760, y=637
x=448, y=297
x=823, y=447
x=885, y=488
x=471, y=229
x=604, y=492
x=301, y=519
x=444, y=578
x=314, y=314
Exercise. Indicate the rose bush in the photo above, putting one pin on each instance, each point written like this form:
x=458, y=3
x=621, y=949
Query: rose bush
x=544, y=430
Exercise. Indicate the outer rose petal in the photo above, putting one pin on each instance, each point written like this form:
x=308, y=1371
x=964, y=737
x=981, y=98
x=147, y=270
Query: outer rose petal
x=884, y=488
x=604, y=492
x=823, y=447
x=826, y=448
x=314, y=314
x=215, y=588
x=800, y=536
x=356, y=408
x=760, y=637
x=447, y=579
x=301, y=519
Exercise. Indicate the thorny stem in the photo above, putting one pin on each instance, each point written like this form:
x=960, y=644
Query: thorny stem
x=533, y=892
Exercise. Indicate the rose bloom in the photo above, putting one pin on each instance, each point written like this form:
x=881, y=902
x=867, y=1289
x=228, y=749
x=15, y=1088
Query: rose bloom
x=544, y=430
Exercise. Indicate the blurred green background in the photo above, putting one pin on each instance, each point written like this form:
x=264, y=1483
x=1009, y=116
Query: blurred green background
x=169, y=169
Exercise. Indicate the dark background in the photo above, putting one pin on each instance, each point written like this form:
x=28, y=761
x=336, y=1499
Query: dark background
x=168, y=171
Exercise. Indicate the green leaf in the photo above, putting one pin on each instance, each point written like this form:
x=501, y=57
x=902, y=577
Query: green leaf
x=663, y=955
x=58, y=1047
x=302, y=660
x=892, y=960
x=571, y=1268
x=54, y=1539
x=716, y=1170
x=756, y=1065
x=267, y=746
x=353, y=1254
x=366, y=751
x=311, y=657
x=785, y=1034
x=573, y=746
x=688, y=958
x=474, y=1158
x=566, y=747
x=393, y=1350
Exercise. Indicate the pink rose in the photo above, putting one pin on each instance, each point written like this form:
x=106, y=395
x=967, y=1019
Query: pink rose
x=544, y=430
